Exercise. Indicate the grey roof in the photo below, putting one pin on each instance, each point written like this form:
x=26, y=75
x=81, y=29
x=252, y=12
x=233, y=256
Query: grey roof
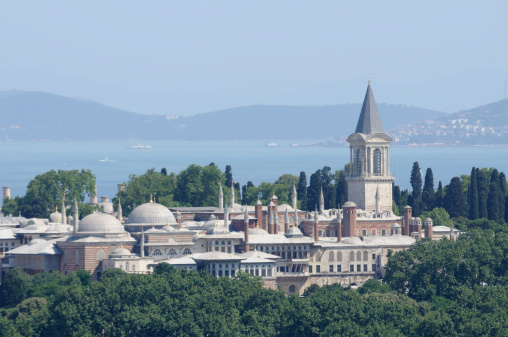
x=38, y=248
x=151, y=213
x=369, y=121
x=100, y=223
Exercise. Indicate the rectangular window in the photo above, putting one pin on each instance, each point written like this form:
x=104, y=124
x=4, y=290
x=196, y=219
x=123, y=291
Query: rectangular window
x=374, y=267
x=351, y=267
x=331, y=268
x=364, y=232
x=310, y=269
x=358, y=267
x=226, y=273
x=383, y=232
x=318, y=269
x=220, y=272
x=263, y=272
x=365, y=267
x=269, y=272
x=339, y=268
x=373, y=256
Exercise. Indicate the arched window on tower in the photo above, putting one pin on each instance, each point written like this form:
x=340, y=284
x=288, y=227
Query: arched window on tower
x=358, y=161
x=377, y=162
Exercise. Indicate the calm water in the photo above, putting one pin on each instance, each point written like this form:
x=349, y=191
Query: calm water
x=250, y=160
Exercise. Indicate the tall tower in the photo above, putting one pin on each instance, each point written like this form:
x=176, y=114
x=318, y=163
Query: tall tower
x=370, y=160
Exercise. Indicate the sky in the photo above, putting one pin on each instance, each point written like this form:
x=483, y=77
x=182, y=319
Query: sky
x=189, y=57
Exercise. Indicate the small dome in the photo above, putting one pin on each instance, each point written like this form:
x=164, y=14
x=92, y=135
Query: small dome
x=294, y=232
x=395, y=225
x=407, y=207
x=217, y=230
x=349, y=204
x=168, y=228
x=100, y=223
x=352, y=240
x=151, y=213
x=119, y=252
x=428, y=220
x=36, y=224
x=258, y=231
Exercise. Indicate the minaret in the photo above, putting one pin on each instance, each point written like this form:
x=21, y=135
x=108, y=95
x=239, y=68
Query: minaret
x=296, y=218
x=246, y=225
x=221, y=196
x=377, y=200
x=75, y=216
x=179, y=219
x=321, y=201
x=286, y=221
x=226, y=216
x=316, y=233
x=119, y=211
x=270, y=222
x=295, y=203
x=142, y=248
x=339, y=225
x=64, y=215
x=232, y=196
x=451, y=232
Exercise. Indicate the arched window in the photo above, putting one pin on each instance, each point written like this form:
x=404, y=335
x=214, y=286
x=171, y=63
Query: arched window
x=318, y=257
x=292, y=289
x=172, y=252
x=352, y=256
x=66, y=253
x=331, y=257
x=187, y=251
x=100, y=255
x=359, y=157
x=157, y=252
x=77, y=257
x=358, y=256
x=365, y=256
x=377, y=161
x=339, y=257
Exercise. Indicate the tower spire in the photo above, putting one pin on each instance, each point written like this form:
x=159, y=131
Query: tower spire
x=369, y=121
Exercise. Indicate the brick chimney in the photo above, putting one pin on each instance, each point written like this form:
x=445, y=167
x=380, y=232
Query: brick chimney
x=428, y=228
x=407, y=216
x=349, y=218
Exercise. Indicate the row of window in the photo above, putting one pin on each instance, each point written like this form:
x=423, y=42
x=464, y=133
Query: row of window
x=339, y=268
x=6, y=244
x=352, y=256
x=172, y=252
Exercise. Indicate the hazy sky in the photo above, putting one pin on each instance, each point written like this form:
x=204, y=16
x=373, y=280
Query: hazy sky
x=186, y=57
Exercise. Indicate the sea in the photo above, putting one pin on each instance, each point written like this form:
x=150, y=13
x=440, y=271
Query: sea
x=113, y=162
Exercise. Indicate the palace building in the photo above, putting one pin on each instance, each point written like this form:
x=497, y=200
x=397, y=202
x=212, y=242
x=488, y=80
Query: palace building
x=288, y=248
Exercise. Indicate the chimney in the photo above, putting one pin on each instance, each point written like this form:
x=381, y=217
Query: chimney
x=7, y=192
x=407, y=215
x=259, y=213
x=104, y=199
x=120, y=187
x=349, y=218
x=246, y=227
x=179, y=219
x=418, y=226
x=93, y=198
x=428, y=228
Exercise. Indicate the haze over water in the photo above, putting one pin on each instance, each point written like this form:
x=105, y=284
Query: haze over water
x=250, y=160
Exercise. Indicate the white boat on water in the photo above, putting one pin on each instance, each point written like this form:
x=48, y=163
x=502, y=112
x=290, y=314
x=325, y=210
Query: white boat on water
x=293, y=145
x=272, y=144
x=105, y=159
x=140, y=146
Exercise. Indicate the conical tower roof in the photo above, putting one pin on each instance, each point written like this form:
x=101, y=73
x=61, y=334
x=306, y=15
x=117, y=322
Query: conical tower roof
x=369, y=121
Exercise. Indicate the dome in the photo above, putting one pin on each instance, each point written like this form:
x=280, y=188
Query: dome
x=258, y=231
x=217, y=230
x=349, y=204
x=36, y=225
x=352, y=240
x=151, y=213
x=168, y=228
x=395, y=225
x=120, y=252
x=36, y=241
x=100, y=223
x=55, y=217
x=294, y=232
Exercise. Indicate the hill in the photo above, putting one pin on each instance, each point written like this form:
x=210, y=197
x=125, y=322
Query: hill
x=38, y=116
x=483, y=125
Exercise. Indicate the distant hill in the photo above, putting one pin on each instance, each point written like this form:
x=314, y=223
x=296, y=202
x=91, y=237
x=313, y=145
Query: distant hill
x=483, y=125
x=36, y=116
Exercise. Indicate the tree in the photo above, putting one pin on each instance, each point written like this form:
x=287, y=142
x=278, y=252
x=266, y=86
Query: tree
x=495, y=199
x=416, y=184
x=229, y=176
x=483, y=193
x=164, y=172
x=454, y=201
x=428, y=194
x=439, y=199
x=314, y=190
x=341, y=197
x=9, y=206
x=302, y=190
x=473, y=196
x=439, y=216
x=329, y=190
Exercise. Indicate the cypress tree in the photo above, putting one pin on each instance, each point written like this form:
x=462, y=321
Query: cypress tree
x=502, y=197
x=454, y=202
x=494, y=198
x=428, y=195
x=483, y=193
x=439, y=196
x=341, y=189
x=473, y=196
x=396, y=195
x=229, y=176
x=416, y=184
x=329, y=190
x=314, y=190
x=301, y=190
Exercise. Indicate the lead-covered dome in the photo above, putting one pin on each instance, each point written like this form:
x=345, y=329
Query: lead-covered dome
x=151, y=214
x=100, y=223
